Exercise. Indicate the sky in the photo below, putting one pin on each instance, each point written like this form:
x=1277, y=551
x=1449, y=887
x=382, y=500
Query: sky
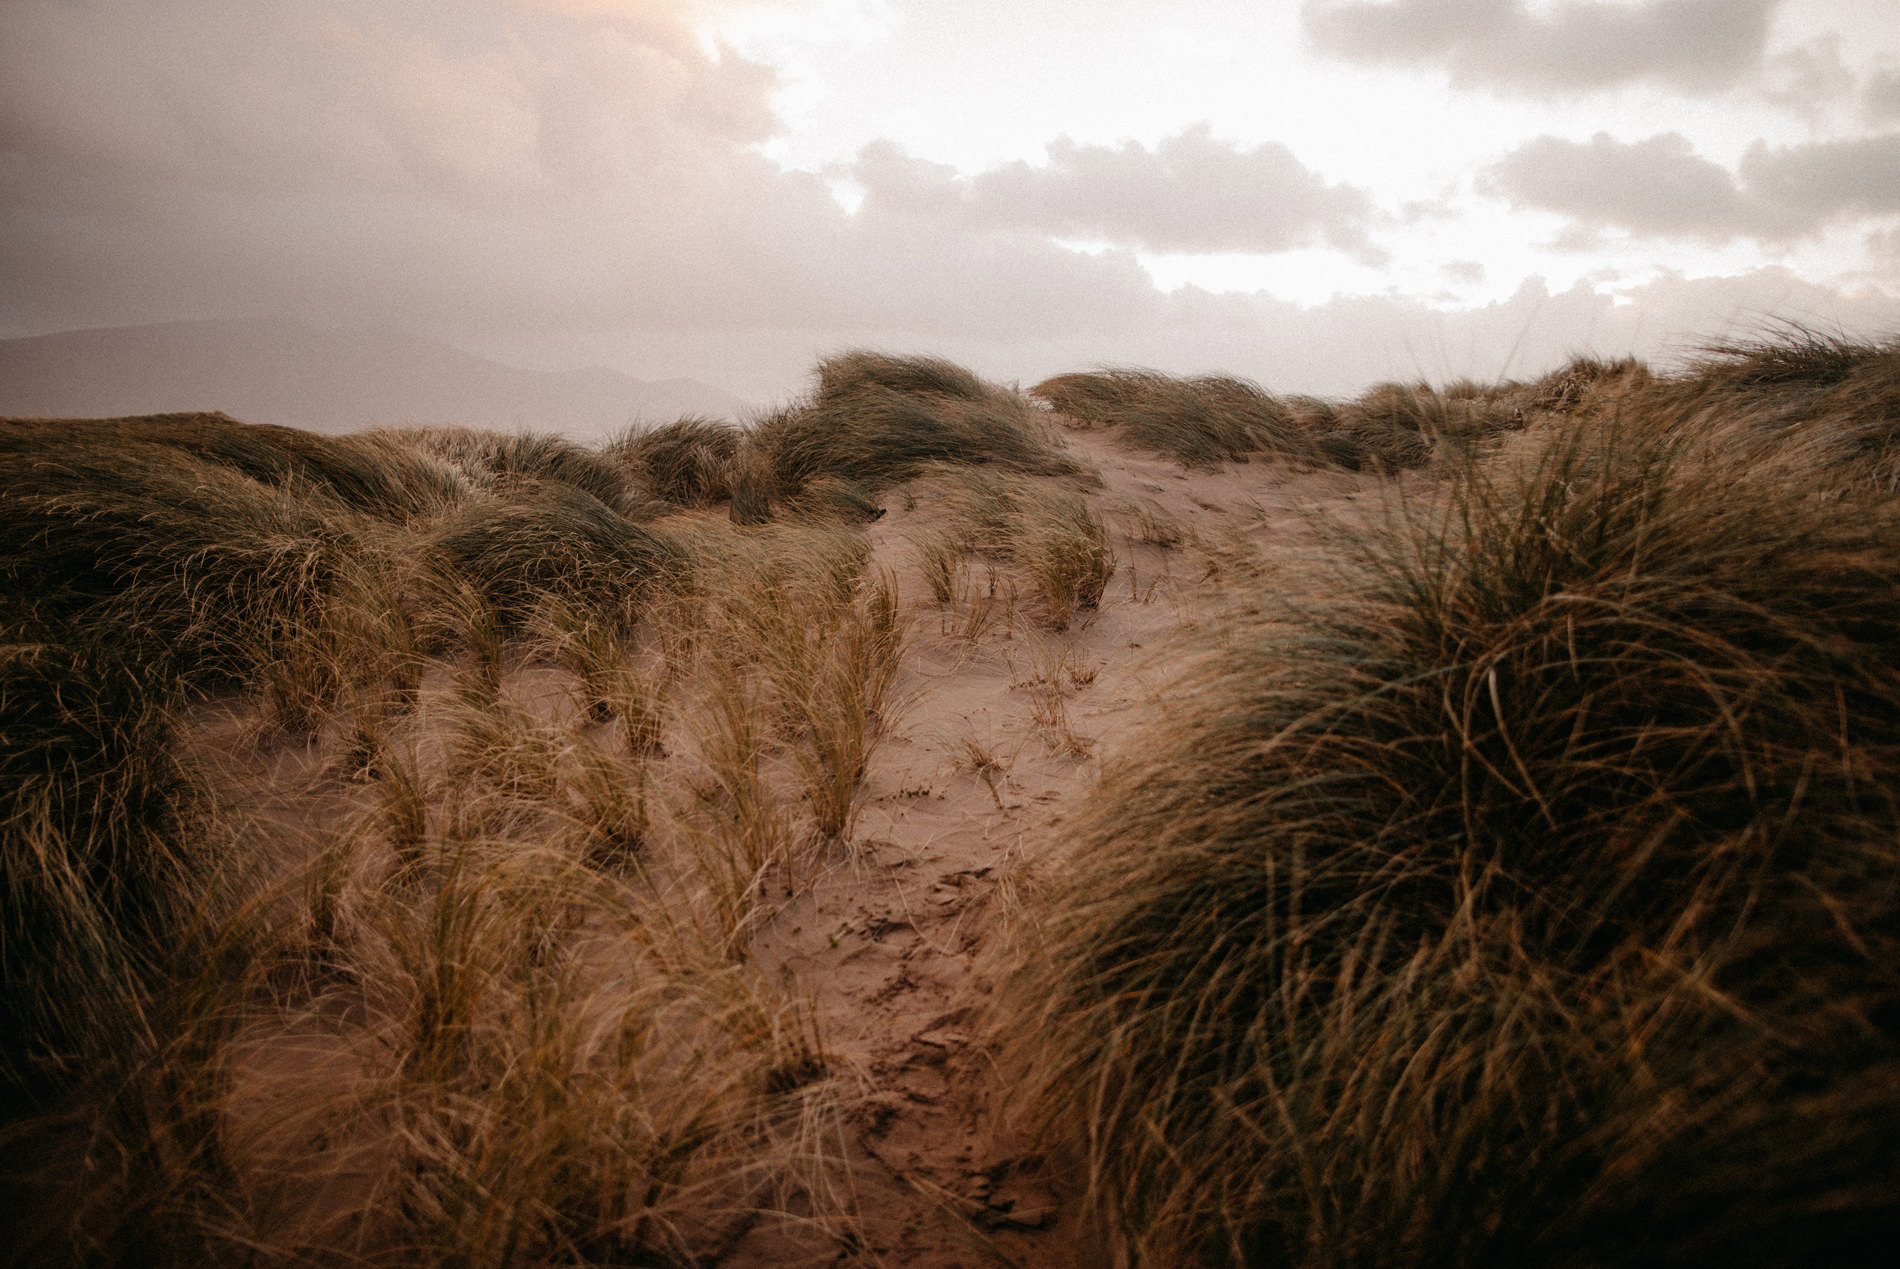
x=1315, y=195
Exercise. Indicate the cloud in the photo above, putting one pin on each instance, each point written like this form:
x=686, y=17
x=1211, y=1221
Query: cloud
x=1883, y=247
x=1655, y=187
x=1880, y=95
x=1808, y=78
x=464, y=171
x=1574, y=46
x=1661, y=188
x=1190, y=193
x=1822, y=180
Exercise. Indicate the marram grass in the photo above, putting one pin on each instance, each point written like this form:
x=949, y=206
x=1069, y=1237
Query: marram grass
x=1533, y=901
x=1202, y=421
x=1530, y=900
x=525, y=1033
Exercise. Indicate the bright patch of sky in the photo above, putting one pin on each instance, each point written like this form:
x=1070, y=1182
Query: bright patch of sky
x=978, y=83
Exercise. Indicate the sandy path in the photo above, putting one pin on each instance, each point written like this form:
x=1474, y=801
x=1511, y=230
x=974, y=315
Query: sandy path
x=891, y=945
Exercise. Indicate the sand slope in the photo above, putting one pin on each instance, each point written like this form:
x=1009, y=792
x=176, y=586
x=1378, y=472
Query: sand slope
x=893, y=943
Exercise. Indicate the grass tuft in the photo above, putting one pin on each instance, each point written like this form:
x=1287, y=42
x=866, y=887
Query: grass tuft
x=1200, y=422
x=688, y=462
x=878, y=420
x=553, y=540
x=1501, y=908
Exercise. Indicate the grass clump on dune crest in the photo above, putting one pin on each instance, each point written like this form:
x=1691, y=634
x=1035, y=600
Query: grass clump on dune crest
x=688, y=462
x=186, y=562
x=1393, y=427
x=549, y=538
x=1793, y=396
x=1573, y=385
x=877, y=420
x=373, y=472
x=1200, y=422
x=1539, y=900
x=1206, y=420
x=873, y=420
x=492, y=461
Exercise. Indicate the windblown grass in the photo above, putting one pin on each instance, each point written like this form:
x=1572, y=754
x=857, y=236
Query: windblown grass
x=614, y=679
x=479, y=1018
x=107, y=861
x=548, y=539
x=137, y=570
x=1206, y=420
x=1395, y=426
x=1793, y=396
x=1583, y=380
x=1052, y=534
x=1200, y=422
x=688, y=462
x=188, y=563
x=1535, y=900
x=967, y=601
x=374, y=472
x=802, y=648
x=492, y=461
x=877, y=420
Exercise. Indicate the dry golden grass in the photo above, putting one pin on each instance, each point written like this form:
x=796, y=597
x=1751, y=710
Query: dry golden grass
x=502, y=1008
x=1050, y=536
x=1207, y=420
x=389, y=825
x=1521, y=902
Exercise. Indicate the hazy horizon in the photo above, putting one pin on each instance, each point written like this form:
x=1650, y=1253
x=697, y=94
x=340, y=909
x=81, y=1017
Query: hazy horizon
x=327, y=379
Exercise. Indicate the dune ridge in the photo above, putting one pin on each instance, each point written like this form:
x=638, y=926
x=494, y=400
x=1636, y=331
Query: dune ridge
x=1138, y=820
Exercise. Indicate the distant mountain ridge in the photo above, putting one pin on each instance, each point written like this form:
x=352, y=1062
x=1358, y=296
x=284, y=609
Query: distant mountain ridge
x=283, y=371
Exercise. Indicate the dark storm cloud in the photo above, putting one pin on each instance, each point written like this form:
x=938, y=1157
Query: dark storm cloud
x=1574, y=46
x=1190, y=193
x=1661, y=188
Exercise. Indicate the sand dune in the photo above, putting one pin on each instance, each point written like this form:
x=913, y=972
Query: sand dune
x=1145, y=821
